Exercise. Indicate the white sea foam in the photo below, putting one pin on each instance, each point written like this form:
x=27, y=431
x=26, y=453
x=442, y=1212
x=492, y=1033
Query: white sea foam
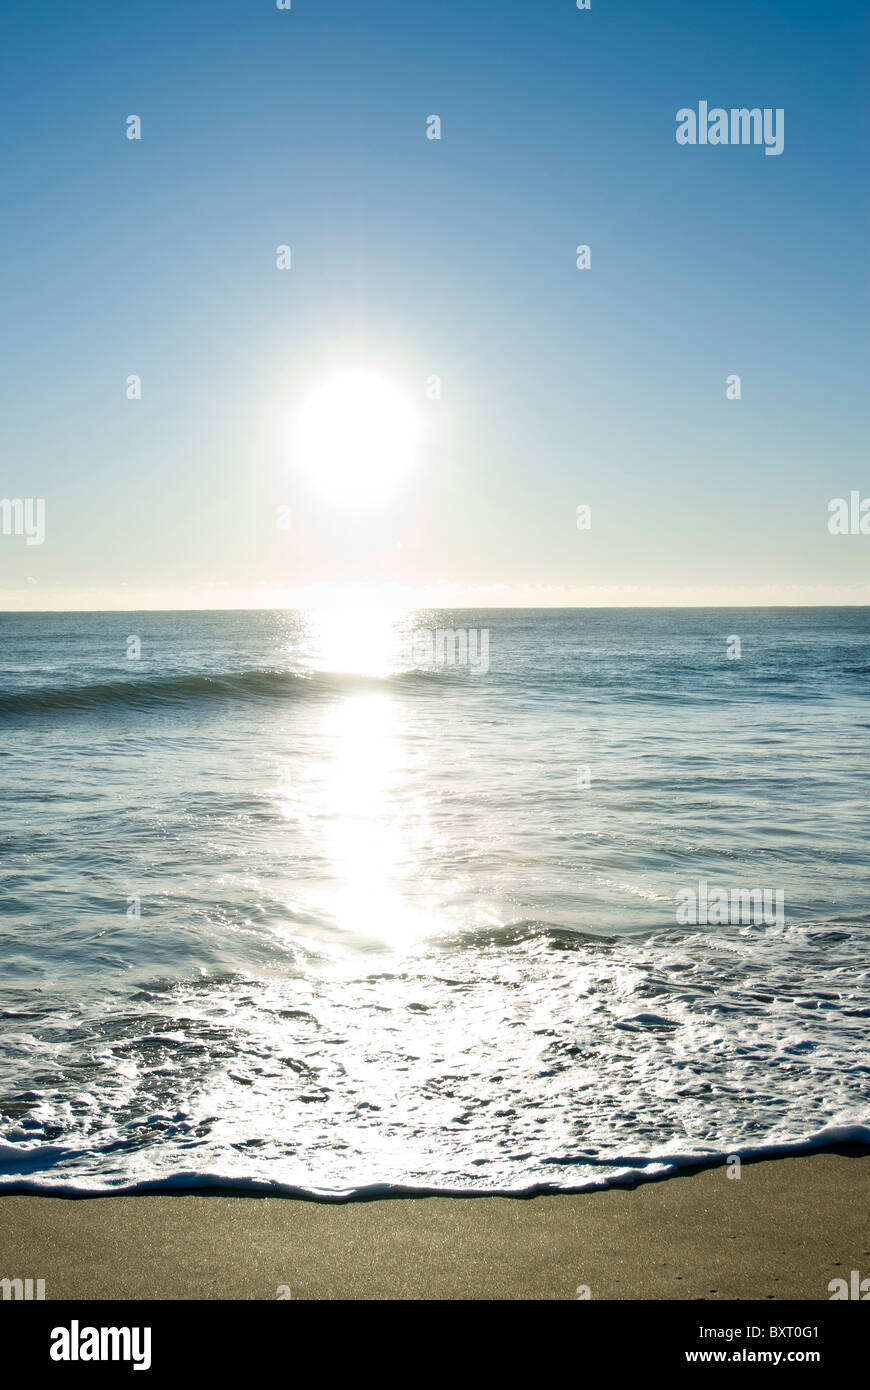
x=626, y=1171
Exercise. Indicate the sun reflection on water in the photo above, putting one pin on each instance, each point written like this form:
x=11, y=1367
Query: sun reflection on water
x=357, y=804
x=357, y=641
x=370, y=822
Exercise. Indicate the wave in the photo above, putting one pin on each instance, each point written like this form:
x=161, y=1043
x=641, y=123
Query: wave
x=150, y=692
x=628, y=1170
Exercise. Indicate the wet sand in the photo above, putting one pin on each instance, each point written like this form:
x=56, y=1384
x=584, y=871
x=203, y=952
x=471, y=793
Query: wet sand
x=784, y=1229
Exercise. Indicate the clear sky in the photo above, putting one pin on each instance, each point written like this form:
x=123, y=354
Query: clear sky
x=413, y=258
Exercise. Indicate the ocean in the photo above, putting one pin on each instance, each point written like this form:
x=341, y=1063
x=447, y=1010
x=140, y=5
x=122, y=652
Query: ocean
x=475, y=901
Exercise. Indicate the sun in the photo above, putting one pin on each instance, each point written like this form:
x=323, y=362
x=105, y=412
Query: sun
x=355, y=437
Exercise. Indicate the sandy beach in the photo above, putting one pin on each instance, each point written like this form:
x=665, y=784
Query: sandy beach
x=783, y=1230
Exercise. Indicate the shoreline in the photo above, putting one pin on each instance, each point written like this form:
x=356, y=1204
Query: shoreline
x=784, y=1229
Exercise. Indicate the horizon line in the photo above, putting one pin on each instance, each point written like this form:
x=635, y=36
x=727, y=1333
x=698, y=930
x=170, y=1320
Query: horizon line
x=447, y=607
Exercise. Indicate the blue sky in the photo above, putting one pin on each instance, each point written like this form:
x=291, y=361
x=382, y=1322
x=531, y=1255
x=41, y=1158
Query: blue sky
x=414, y=257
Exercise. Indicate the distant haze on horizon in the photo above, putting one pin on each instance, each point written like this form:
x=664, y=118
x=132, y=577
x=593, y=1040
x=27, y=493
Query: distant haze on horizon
x=451, y=599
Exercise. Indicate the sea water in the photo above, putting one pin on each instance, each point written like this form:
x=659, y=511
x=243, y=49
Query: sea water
x=325, y=902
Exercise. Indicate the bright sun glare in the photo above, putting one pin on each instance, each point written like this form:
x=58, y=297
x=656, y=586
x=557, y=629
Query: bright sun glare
x=355, y=437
